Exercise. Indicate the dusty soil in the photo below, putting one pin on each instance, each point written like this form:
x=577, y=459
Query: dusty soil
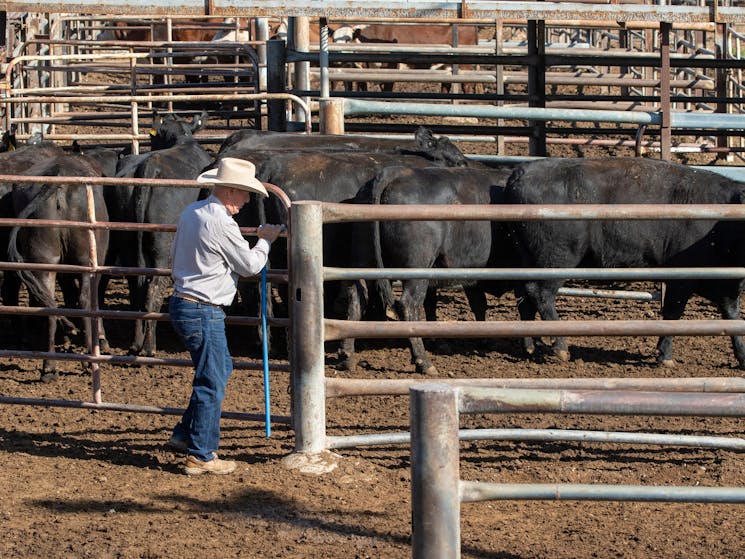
x=82, y=483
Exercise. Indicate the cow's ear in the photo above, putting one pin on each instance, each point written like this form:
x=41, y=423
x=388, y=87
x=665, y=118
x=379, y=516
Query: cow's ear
x=199, y=121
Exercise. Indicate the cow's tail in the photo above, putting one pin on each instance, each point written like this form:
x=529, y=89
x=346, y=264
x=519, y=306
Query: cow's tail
x=141, y=198
x=383, y=289
x=34, y=287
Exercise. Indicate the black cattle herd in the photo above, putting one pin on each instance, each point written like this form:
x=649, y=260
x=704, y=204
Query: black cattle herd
x=359, y=170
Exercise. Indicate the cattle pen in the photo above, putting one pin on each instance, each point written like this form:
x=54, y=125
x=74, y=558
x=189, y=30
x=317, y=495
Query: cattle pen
x=377, y=489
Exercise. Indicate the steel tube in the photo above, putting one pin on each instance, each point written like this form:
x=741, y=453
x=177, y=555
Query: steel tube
x=631, y=274
x=394, y=8
x=677, y=120
x=615, y=402
x=471, y=491
x=341, y=329
x=554, y=435
x=306, y=299
x=131, y=408
x=338, y=213
x=130, y=360
x=341, y=387
x=435, y=472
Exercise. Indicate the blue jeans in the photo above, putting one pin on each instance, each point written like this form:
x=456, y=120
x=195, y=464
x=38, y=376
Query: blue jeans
x=202, y=330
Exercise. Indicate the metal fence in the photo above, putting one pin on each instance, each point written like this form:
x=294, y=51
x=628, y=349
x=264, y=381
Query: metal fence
x=437, y=490
x=311, y=330
x=93, y=357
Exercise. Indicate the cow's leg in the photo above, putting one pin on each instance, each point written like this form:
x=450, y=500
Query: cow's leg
x=527, y=311
x=155, y=295
x=477, y=301
x=676, y=296
x=103, y=341
x=71, y=294
x=544, y=295
x=138, y=295
x=49, y=366
x=730, y=309
x=351, y=296
x=409, y=308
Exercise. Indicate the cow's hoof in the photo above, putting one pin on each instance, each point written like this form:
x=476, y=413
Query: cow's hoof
x=667, y=363
x=346, y=363
x=426, y=369
x=562, y=354
x=49, y=376
x=390, y=314
x=103, y=345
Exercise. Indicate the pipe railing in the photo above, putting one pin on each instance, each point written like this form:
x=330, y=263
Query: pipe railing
x=94, y=357
x=312, y=330
x=437, y=490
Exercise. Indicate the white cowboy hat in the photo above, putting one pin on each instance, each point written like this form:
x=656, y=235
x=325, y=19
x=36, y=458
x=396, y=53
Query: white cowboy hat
x=234, y=173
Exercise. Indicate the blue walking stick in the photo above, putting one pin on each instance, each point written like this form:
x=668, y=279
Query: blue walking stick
x=265, y=355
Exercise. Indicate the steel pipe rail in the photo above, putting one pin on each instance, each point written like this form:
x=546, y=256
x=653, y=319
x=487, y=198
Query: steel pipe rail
x=482, y=491
x=343, y=387
x=553, y=435
x=477, y=9
x=130, y=360
x=340, y=213
x=342, y=329
x=533, y=273
x=678, y=120
x=104, y=406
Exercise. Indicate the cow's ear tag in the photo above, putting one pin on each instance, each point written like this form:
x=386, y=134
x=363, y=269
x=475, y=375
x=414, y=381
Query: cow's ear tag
x=153, y=132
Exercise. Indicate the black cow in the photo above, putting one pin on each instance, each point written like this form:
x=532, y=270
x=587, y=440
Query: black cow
x=14, y=161
x=248, y=139
x=331, y=176
x=176, y=155
x=57, y=245
x=425, y=244
x=619, y=243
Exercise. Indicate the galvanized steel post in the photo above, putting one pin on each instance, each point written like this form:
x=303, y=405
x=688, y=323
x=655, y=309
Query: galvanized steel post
x=435, y=472
x=307, y=364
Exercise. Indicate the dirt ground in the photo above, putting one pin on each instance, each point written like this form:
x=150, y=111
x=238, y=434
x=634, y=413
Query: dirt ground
x=101, y=484
x=82, y=483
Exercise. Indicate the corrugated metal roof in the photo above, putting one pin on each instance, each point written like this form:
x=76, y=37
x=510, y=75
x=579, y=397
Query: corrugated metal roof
x=392, y=8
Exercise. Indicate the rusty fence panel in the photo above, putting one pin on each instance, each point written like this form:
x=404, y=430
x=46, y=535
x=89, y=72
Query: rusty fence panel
x=94, y=357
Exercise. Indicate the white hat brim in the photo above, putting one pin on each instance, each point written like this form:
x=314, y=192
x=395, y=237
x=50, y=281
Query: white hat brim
x=251, y=185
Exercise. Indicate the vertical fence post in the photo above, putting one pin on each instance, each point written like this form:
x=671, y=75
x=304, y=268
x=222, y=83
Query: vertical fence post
x=306, y=298
x=666, y=137
x=435, y=472
x=331, y=116
x=276, y=81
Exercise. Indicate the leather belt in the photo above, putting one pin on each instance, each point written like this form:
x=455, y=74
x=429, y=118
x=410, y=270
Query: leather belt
x=194, y=299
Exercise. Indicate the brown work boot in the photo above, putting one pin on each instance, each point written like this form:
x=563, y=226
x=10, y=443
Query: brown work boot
x=195, y=467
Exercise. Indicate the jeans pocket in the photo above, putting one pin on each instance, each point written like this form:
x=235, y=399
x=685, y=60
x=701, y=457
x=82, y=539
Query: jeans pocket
x=190, y=332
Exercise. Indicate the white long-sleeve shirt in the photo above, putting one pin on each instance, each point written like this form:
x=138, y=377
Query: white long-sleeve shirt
x=209, y=253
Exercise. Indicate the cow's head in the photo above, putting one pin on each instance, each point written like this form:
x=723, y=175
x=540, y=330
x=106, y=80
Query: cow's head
x=169, y=130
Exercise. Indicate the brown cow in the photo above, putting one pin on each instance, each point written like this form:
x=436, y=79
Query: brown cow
x=419, y=35
x=186, y=31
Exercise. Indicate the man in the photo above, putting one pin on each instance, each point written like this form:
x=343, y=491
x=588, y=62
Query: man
x=208, y=256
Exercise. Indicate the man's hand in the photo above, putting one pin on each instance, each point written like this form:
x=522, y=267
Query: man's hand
x=269, y=232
